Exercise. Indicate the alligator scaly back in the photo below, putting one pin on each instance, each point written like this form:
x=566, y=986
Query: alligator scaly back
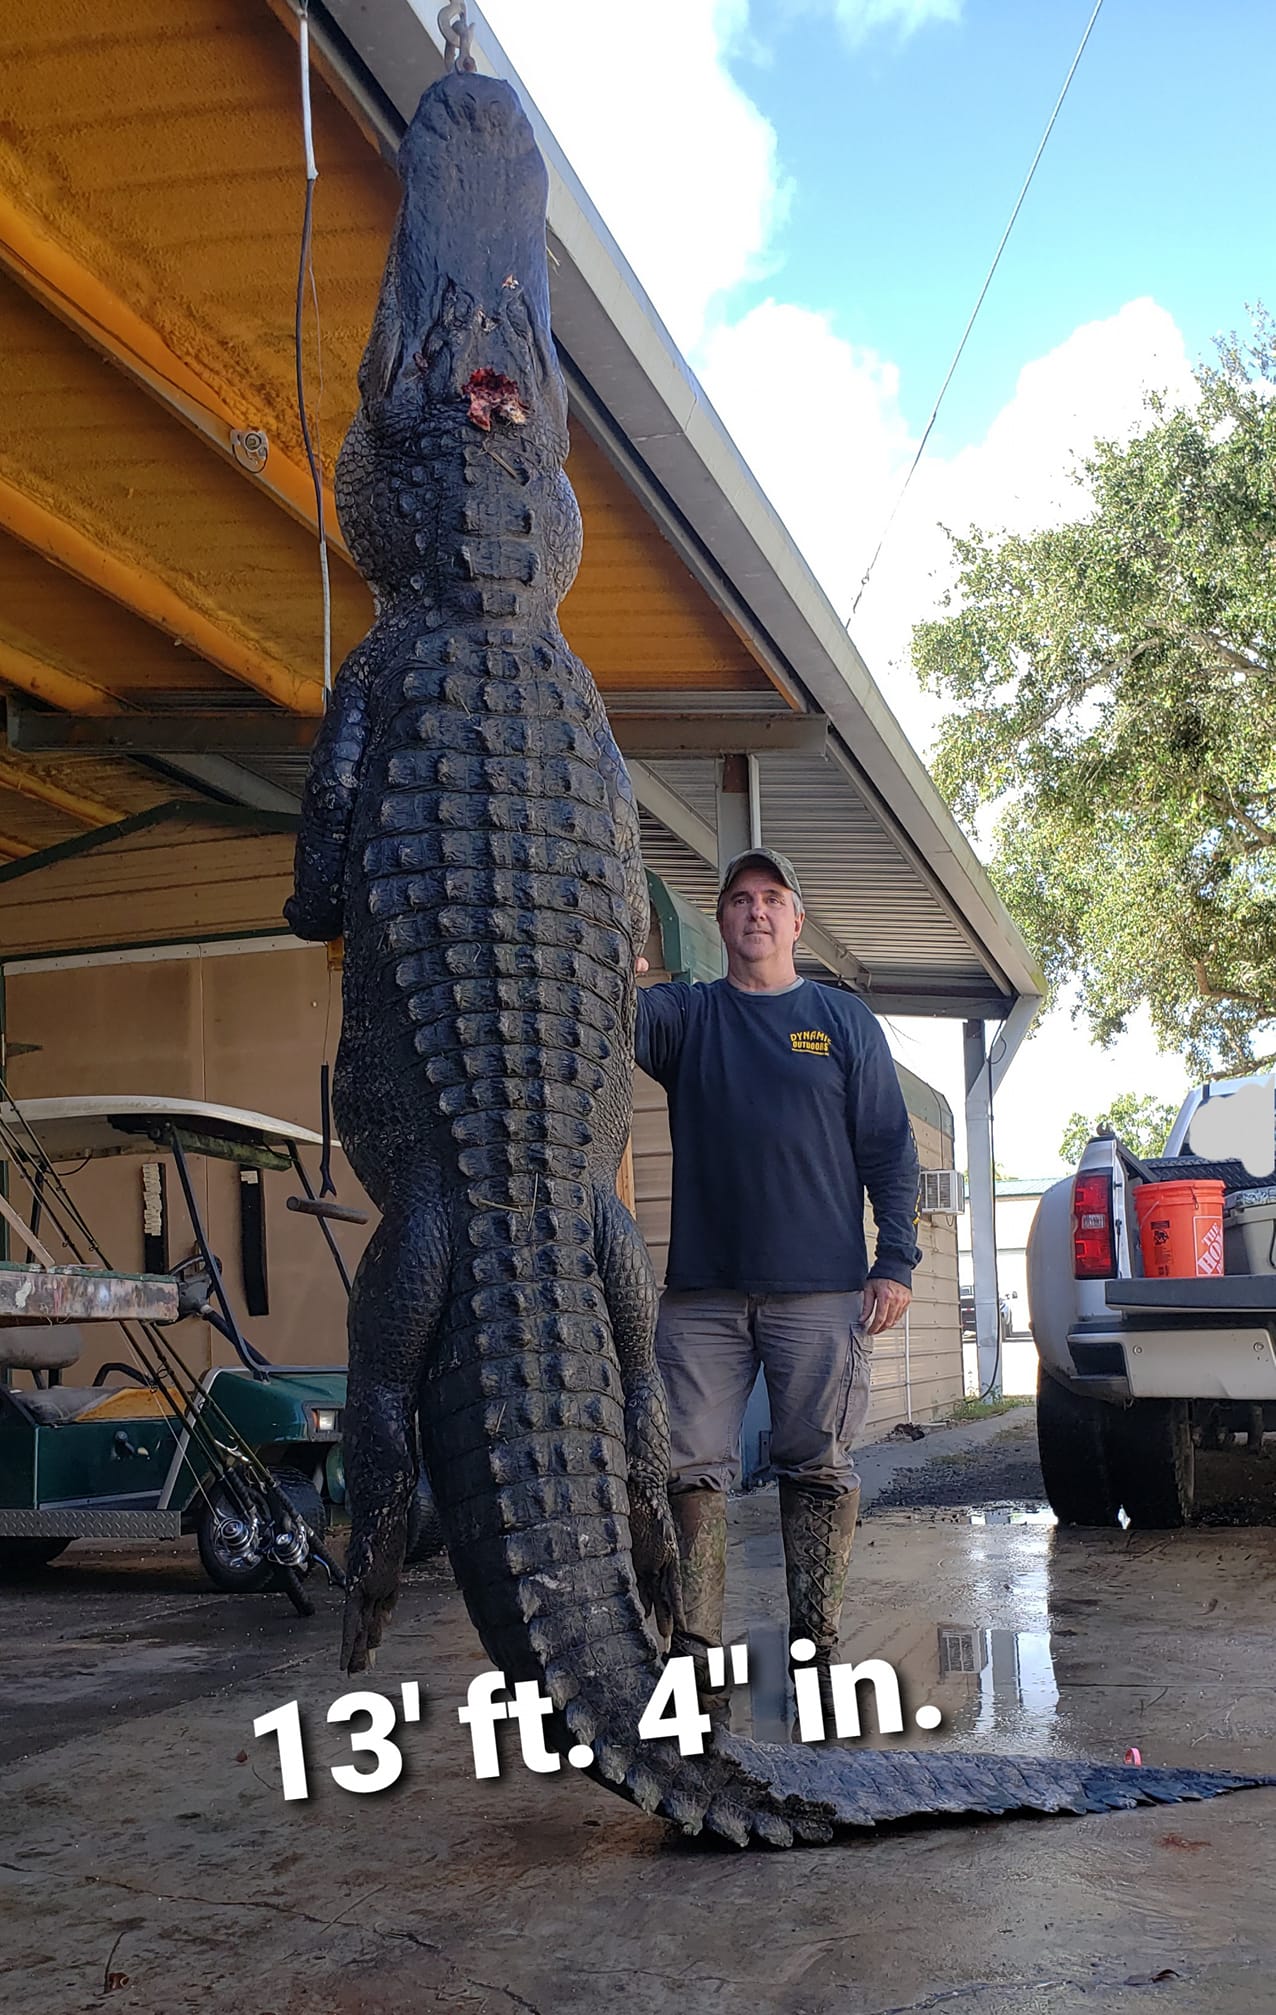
x=469, y=828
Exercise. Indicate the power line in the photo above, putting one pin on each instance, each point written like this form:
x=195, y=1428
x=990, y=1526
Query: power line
x=988, y=279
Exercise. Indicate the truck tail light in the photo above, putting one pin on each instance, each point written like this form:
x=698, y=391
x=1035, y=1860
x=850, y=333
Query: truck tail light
x=1093, y=1243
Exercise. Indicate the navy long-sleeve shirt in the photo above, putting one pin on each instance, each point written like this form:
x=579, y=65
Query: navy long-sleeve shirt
x=784, y=1108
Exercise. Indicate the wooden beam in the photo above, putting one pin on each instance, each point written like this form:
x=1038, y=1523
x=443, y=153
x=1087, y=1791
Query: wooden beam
x=29, y=783
x=57, y=688
x=652, y=735
x=75, y=294
x=13, y=850
x=242, y=731
x=245, y=731
x=147, y=596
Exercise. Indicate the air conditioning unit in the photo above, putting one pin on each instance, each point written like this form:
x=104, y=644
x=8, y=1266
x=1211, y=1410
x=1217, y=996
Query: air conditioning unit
x=943, y=1193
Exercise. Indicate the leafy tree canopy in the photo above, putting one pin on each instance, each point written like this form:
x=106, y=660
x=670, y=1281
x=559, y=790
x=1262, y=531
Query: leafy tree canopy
x=1113, y=691
x=1141, y=1122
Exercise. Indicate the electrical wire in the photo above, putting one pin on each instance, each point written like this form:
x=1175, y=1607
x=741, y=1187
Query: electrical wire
x=974, y=313
x=305, y=270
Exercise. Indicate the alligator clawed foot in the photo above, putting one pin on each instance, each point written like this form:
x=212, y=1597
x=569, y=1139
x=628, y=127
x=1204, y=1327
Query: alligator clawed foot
x=363, y=1625
x=655, y=1552
x=372, y=1585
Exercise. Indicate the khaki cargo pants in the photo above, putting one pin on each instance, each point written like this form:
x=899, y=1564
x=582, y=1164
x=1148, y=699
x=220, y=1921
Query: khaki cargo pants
x=817, y=1362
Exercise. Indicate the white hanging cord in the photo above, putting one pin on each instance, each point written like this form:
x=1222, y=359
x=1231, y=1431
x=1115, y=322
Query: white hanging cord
x=305, y=270
x=988, y=279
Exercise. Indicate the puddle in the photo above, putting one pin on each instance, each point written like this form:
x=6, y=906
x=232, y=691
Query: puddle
x=1012, y=1514
x=984, y=1681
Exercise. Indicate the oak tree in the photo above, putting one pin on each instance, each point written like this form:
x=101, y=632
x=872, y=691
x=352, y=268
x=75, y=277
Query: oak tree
x=1112, y=690
x=1142, y=1122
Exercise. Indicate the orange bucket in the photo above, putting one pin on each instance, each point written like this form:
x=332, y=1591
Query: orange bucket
x=1180, y=1228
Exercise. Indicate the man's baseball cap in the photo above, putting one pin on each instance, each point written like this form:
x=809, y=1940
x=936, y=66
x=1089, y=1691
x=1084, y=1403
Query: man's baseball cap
x=763, y=857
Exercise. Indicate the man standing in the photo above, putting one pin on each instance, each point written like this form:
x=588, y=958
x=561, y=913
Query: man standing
x=784, y=1106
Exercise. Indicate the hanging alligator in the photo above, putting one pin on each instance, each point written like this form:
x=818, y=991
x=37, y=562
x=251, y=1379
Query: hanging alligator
x=470, y=830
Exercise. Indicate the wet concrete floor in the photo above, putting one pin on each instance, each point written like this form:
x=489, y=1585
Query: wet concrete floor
x=143, y=1835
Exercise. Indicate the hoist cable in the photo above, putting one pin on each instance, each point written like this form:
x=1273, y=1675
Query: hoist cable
x=305, y=270
x=965, y=337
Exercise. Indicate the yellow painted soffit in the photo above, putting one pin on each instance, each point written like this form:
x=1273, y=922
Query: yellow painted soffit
x=124, y=581
x=150, y=190
x=79, y=298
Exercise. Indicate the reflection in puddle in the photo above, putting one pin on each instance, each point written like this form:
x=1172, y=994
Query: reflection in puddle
x=984, y=1681
x=1013, y=1514
x=769, y=1698
x=1005, y=1677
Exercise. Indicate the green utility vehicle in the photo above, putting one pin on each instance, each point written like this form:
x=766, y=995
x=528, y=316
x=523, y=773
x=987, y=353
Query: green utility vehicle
x=248, y=1457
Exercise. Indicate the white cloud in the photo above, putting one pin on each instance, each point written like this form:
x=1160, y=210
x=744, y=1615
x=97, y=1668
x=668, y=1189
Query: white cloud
x=831, y=449
x=858, y=19
x=1020, y=477
x=680, y=164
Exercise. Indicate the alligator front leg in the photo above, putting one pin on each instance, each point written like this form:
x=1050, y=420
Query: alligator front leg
x=398, y=1298
x=630, y=1289
x=315, y=910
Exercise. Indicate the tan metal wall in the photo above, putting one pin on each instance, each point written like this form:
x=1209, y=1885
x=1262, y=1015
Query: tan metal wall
x=242, y=1029
x=920, y=1377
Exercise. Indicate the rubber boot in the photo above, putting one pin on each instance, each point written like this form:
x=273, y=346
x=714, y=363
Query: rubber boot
x=700, y=1517
x=818, y=1528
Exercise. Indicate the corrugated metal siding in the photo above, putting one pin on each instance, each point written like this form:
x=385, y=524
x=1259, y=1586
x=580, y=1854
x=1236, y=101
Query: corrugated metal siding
x=928, y=1366
x=653, y=1169
x=653, y=1148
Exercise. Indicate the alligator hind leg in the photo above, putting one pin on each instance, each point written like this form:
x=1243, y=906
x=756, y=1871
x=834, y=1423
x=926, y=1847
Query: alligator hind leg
x=630, y=1289
x=395, y=1307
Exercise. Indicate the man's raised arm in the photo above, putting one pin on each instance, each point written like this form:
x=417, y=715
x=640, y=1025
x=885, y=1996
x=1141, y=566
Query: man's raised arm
x=659, y=1027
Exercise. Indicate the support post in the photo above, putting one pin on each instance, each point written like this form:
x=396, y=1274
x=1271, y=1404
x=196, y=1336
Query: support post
x=739, y=807
x=983, y=1234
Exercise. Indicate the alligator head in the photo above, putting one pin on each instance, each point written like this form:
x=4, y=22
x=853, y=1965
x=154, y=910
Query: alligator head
x=460, y=346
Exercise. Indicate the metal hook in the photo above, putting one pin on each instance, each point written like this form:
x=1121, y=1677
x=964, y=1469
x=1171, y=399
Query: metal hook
x=457, y=31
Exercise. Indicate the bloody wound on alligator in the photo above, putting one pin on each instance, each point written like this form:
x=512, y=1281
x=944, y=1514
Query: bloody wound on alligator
x=470, y=830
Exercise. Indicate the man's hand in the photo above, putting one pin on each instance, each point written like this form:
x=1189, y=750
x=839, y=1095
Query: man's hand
x=883, y=1305
x=641, y=965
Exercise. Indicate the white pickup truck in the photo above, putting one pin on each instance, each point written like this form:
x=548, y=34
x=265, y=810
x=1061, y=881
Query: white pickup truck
x=1136, y=1375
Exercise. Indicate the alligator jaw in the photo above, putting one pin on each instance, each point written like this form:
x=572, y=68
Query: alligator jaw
x=465, y=298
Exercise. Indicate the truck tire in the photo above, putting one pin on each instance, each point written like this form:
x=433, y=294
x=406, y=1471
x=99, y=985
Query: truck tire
x=1072, y=1444
x=1153, y=1462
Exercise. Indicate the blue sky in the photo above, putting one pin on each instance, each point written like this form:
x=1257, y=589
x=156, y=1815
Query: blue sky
x=904, y=153
x=811, y=190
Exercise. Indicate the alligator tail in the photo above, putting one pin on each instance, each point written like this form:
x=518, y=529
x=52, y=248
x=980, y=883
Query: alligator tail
x=523, y=1417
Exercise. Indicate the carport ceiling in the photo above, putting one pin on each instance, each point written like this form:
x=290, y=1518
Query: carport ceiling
x=159, y=603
